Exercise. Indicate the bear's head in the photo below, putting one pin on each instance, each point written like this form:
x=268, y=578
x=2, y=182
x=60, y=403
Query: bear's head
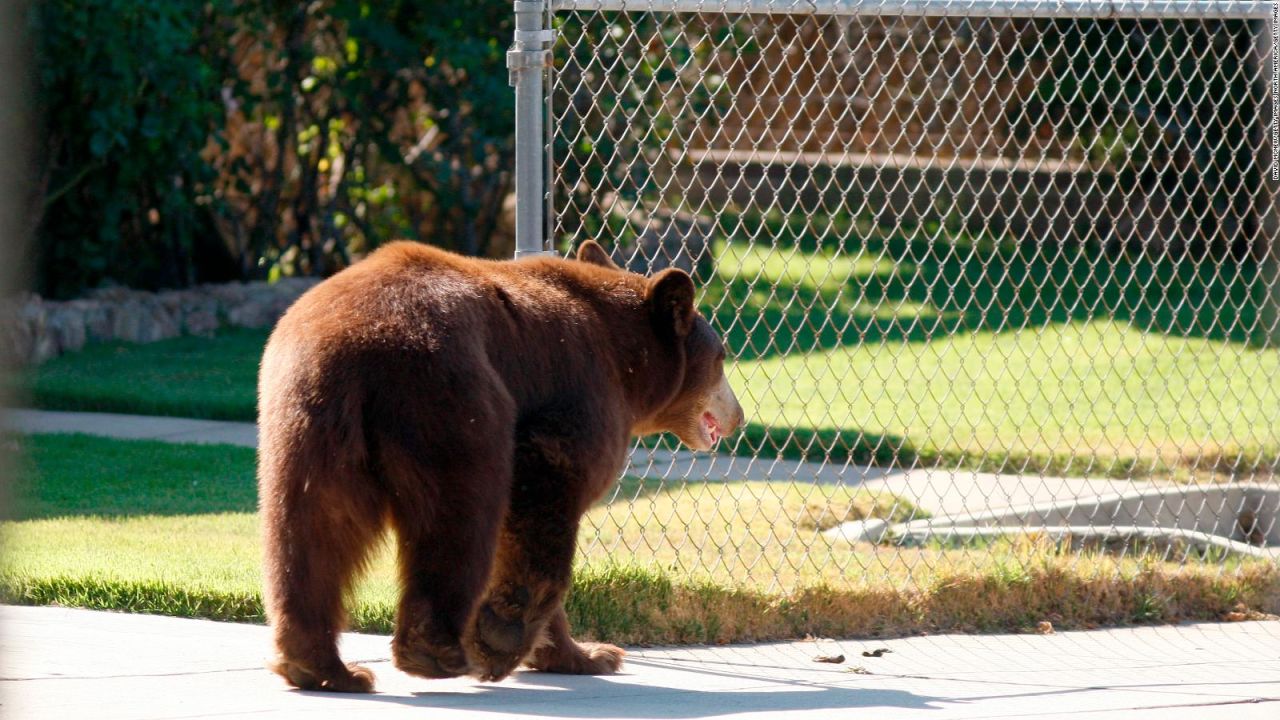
x=704, y=408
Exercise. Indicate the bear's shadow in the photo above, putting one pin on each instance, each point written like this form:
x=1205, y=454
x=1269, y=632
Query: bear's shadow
x=547, y=695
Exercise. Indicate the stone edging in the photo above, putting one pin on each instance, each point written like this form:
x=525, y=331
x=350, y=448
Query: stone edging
x=33, y=330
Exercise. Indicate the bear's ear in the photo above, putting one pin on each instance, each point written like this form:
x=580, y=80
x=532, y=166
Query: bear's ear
x=670, y=299
x=591, y=252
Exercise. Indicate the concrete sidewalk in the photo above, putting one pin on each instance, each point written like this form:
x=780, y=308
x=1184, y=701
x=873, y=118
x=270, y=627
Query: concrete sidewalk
x=132, y=427
x=936, y=490
x=60, y=663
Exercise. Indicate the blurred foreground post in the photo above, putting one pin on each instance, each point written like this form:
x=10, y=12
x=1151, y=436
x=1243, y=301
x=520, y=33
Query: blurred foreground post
x=15, y=150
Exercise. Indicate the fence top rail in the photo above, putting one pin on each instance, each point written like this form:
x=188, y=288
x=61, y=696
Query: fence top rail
x=1104, y=9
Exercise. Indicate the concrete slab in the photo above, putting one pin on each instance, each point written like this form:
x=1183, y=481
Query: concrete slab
x=61, y=663
x=940, y=491
x=950, y=492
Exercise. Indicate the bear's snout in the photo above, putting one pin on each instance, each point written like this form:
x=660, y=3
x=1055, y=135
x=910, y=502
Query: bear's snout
x=726, y=412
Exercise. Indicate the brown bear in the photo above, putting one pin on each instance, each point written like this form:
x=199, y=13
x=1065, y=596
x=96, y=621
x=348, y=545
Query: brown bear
x=478, y=408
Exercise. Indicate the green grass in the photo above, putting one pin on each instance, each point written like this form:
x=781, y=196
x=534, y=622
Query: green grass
x=975, y=354
x=171, y=529
x=888, y=350
x=62, y=476
x=182, y=377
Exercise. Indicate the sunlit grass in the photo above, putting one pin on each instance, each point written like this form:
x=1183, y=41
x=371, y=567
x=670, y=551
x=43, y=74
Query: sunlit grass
x=131, y=526
x=1091, y=390
x=745, y=533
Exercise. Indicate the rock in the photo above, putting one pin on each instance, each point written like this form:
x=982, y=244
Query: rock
x=251, y=314
x=34, y=330
x=163, y=324
x=227, y=295
x=200, y=316
x=15, y=335
x=18, y=343
x=671, y=244
x=139, y=321
x=664, y=239
x=195, y=312
x=263, y=304
x=67, y=327
x=293, y=287
x=97, y=319
x=126, y=321
x=43, y=345
x=113, y=294
x=171, y=301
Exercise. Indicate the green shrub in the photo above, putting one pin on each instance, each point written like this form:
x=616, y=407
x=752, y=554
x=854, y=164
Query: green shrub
x=127, y=102
x=190, y=140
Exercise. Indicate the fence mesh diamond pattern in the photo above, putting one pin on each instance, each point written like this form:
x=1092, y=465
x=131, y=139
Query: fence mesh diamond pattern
x=990, y=286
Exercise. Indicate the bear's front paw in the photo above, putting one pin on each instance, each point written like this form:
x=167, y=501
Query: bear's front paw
x=580, y=659
x=497, y=645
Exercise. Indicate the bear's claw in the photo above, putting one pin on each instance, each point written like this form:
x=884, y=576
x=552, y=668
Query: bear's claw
x=352, y=678
x=435, y=663
x=580, y=659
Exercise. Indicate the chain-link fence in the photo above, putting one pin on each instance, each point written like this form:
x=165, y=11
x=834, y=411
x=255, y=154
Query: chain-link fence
x=997, y=279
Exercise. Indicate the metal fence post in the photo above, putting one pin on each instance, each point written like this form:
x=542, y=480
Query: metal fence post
x=1265, y=247
x=527, y=60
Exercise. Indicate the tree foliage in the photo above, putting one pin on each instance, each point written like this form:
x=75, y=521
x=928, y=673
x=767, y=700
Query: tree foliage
x=187, y=140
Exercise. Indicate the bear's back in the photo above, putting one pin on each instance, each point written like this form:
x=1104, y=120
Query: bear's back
x=414, y=309
x=407, y=288
x=403, y=295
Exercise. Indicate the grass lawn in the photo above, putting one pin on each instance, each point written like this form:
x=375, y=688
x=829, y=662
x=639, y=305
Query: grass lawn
x=896, y=351
x=182, y=377
x=153, y=527
x=997, y=357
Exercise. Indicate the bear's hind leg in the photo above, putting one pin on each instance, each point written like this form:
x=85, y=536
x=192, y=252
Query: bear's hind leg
x=566, y=457
x=534, y=563
x=446, y=554
x=531, y=575
x=443, y=579
x=314, y=548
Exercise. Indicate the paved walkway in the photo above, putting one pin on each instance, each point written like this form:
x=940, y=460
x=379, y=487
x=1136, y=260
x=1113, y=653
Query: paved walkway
x=939, y=491
x=133, y=427
x=60, y=663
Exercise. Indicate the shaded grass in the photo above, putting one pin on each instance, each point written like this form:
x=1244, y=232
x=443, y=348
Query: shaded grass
x=182, y=377
x=659, y=563
x=82, y=475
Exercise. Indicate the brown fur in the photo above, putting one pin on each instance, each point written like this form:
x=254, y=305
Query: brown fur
x=478, y=408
